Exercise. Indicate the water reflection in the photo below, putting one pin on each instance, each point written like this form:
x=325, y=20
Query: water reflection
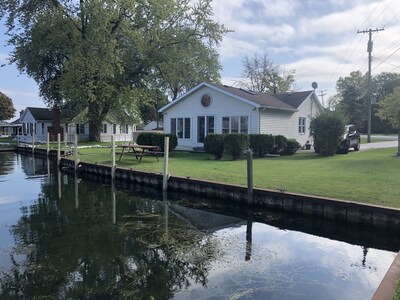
x=81, y=239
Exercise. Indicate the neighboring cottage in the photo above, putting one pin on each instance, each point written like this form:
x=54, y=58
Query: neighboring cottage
x=40, y=121
x=211, y=108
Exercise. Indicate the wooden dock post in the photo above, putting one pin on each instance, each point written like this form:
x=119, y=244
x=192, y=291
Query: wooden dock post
x=166, y=156
x=33, y=139
x=58, y=149
x=113, y=167
x=249, y=177
x=48, y=144
x=76, y=152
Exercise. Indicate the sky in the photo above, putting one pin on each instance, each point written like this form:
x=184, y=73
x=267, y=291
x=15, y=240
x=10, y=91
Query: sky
x=316, y=38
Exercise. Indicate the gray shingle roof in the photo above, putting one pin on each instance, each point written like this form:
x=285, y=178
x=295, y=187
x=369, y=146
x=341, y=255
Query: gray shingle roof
x=284, y=101
x=43, y=114
x=280, y=101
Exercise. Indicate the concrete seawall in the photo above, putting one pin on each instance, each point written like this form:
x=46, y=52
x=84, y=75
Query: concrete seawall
x=332, y=209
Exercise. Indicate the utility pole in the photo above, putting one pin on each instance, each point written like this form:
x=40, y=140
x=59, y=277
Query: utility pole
x=322, y=94
x=369, y=50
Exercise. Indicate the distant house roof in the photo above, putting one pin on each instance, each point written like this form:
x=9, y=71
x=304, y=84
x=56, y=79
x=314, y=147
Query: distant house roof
x=284, y=101
x=43, y=114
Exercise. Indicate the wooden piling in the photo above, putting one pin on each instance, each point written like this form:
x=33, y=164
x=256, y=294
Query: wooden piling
x=166, y=156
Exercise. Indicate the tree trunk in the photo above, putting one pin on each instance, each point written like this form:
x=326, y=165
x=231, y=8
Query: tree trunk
x=94, y=131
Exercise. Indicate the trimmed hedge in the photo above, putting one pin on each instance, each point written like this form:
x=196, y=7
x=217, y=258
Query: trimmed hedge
x=157, y=139
x=214, y=144
x=235, y=144
x=261, y=144
x=280, y=143
x=291, y=147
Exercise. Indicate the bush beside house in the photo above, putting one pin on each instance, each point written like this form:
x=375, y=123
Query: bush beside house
x=327, y=129
x=261, y=144
x=214, y=144
x=157, y=139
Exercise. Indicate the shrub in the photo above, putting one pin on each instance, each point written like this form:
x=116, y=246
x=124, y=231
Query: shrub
x=235, y=144
x=279, y=144
x=214, y=144
x=327, y=129
x=157, y=139
x=291, y=147
x=261, y=144
x=145, y=138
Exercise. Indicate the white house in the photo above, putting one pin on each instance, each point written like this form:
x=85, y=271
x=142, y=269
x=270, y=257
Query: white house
x=39, y=121
x=211, y=108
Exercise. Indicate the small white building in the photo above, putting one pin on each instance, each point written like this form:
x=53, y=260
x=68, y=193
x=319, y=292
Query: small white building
x=40, y=121
x=211, y=108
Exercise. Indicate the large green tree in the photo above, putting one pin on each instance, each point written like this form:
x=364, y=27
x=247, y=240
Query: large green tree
x=352, y=99
x=7, y=110
x=92, y=54
x=197, y=62
x=262, y=75
x=383, y=85
x=389, y=110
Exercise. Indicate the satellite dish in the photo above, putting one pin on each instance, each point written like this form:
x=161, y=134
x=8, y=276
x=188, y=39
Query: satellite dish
x=314, y=85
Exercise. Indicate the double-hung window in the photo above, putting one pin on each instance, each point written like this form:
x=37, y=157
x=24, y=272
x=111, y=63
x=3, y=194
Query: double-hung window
x=181, y=127
x=302, y=125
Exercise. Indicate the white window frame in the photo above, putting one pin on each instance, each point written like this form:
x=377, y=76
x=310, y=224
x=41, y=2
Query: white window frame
x=184, y=121
x=240, y=130
x=302, y=125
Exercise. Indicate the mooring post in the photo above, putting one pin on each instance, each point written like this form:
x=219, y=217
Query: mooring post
x=58, y=149
x=113, y=167
x=114, y=204
x=166, y=156
x=249, y=177
x=76, y=152
x=33, y=139
x=48, y=144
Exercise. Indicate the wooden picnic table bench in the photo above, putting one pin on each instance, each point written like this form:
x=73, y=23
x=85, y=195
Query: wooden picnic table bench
x=140, y=150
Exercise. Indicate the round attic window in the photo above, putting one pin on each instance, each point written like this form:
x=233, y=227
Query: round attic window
x=206, y=100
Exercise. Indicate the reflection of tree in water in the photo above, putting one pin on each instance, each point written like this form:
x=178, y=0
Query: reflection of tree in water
x=6, y=162
x=63, y=252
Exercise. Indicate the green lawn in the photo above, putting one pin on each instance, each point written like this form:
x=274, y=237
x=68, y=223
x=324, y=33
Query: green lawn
x=367, y=176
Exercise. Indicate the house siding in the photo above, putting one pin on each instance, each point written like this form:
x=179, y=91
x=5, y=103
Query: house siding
x=40, y=136
x=221, y=106
x=286, y=123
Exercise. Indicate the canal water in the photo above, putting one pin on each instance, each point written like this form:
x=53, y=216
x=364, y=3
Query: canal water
x=69, y=237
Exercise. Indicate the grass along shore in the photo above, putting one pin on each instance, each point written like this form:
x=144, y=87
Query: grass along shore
x=370, y=176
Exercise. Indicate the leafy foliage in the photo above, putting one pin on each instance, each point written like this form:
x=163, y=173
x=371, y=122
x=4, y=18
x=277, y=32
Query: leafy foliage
x=235, y=144
x=92, y=53
x=353, y=99
x=157, y=139
x=214, y=144
x=327, y=129
x=389, y=110
x=7, y=110
x=264, y=76
x=280, y=142
x=291, y=147
x=261, y=144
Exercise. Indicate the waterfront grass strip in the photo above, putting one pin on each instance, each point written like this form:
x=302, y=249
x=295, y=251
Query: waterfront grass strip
x=369, y=176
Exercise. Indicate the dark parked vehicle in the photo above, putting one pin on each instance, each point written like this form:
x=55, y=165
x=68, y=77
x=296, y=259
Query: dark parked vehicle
x=350, y=139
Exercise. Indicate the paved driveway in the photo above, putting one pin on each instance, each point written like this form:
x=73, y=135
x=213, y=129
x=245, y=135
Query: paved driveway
x=383, y=144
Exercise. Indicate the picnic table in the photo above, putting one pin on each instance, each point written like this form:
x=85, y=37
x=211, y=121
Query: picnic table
x=140, y=150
